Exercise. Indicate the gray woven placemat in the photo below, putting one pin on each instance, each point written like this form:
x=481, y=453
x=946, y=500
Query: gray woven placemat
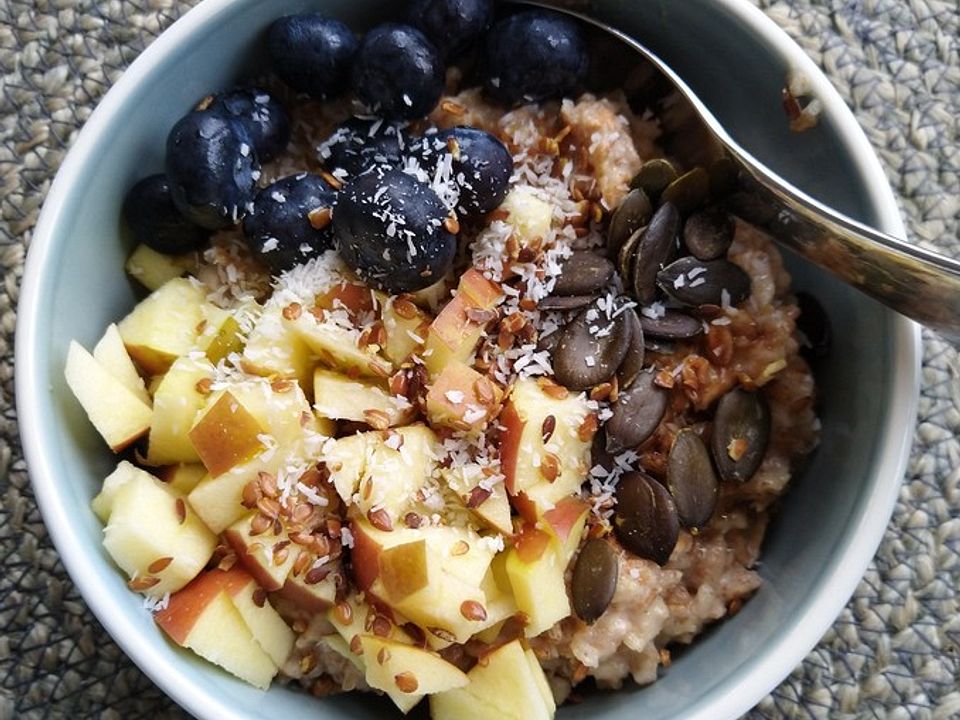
x=893, y=653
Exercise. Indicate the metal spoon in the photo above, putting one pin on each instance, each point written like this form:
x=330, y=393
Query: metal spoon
x=923, y=285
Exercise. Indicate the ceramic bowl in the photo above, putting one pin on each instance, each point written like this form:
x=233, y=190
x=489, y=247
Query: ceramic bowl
x=831, y=521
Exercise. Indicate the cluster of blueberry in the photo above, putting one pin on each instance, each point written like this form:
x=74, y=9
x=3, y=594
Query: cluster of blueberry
x=395, y=213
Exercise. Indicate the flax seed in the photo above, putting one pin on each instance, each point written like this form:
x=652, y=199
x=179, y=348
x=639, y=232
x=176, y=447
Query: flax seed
x=143, y=583
x=181, y=509
x=406, y=682
x=550, y=467
x=159, y=565
x=451, y=224
x=260, y=524
x=453, y=108
x=380, y=519
x=588, y=428
x=477, y=497
x=377, y=419
x=320, y=217
x=292, y=311
x=204, y=386
x=547, y=428
x=343, y=613
x=332, y=180
x=472, y=610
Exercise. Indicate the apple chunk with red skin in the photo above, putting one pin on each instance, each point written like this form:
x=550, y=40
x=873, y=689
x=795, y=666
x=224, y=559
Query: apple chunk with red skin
x=454, y=334
x=461, y=398
x=224, y=617
x=434, y=576
x=539, y=474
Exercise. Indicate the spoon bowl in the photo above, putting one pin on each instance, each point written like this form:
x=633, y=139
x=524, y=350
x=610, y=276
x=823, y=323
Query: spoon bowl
x=914, y=281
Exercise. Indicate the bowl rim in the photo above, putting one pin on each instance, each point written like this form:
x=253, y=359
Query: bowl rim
x=760, y=676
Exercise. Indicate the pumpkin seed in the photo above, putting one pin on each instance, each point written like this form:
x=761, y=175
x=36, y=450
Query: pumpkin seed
x=566, y=302
x=645, y=521
x=671, y=325
x=695, y=282
x=548, y=342
x=636, y=413
x=741, y=433
x=591, y=348
x=708, y=233
x=633, y=213
x=654, y=176
x=689, y=191
x=632, y=364
x=659, y=345
x=813, y=326
x=583, y=273
x=594, y=580
x=657, y=245
x=723, y=177
x=625, y=255
x=691, y=479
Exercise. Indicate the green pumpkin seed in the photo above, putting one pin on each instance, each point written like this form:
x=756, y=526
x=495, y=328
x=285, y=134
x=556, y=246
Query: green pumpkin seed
x=633, y=213
x=691, y=479
x=632, y=364
x=594, y=579
x=625, y=256
x=741, y=434
x=566, y=302
x=695, y=282
x=591, y=348
x=654, y=176
x=583, y=273
x=689, y=191
x=657, y=245
x=645, y=521
x=671, y=325
x=636, y=413
x=708, y=233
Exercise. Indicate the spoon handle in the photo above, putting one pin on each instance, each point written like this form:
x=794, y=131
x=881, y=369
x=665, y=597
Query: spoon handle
x=923, y=285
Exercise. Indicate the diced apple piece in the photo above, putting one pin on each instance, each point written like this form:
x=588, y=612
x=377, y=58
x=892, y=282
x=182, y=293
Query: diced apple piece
x=537, y=583
x=102, y=504
x=536, y=670
x=336, y=347
x=153, y=533
x=213, y=617
x=504, y=687
x=543, y=472
x=312, y=597
x=406, y=327
x=478, y=291
x=374, y=472
x=223, y=331
x=275, y=350
x=339, y=398
x=462, y=398
x=153, y=269
x=117, y=413
x=433, y=576
x=411, y=670
x=256, y=552
x=566, y=523
x=249, y=427
x=529, y=215
x=178, y=400
x=182, y=477
x=492, y=509
x=113, y=356
x=226, y=434
x=454, y=334
x=358, y=300
x=164, y=326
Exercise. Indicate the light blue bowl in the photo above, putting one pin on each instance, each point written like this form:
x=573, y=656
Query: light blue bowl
x=832, y=519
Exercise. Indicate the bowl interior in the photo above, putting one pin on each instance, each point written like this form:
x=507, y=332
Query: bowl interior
x=830, y=522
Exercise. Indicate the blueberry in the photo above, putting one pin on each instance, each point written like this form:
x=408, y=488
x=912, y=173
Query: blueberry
x=361, y=143
x=288, y=225
x=312, y=53
x=451, y=24
x=476, y=161
x=156, y=222
x=398, y=72
x=390, y=228
x=263, y=117
x=535, y=55
x=212, y=168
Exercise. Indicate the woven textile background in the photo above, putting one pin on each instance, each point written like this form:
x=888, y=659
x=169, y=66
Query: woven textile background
x=893, y=653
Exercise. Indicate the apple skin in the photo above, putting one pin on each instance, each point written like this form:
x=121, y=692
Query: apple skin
x=460, y=378
x=226, y=435
x=249, y=550
x=311, y=598
x=567, y=522
x=187, y=605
